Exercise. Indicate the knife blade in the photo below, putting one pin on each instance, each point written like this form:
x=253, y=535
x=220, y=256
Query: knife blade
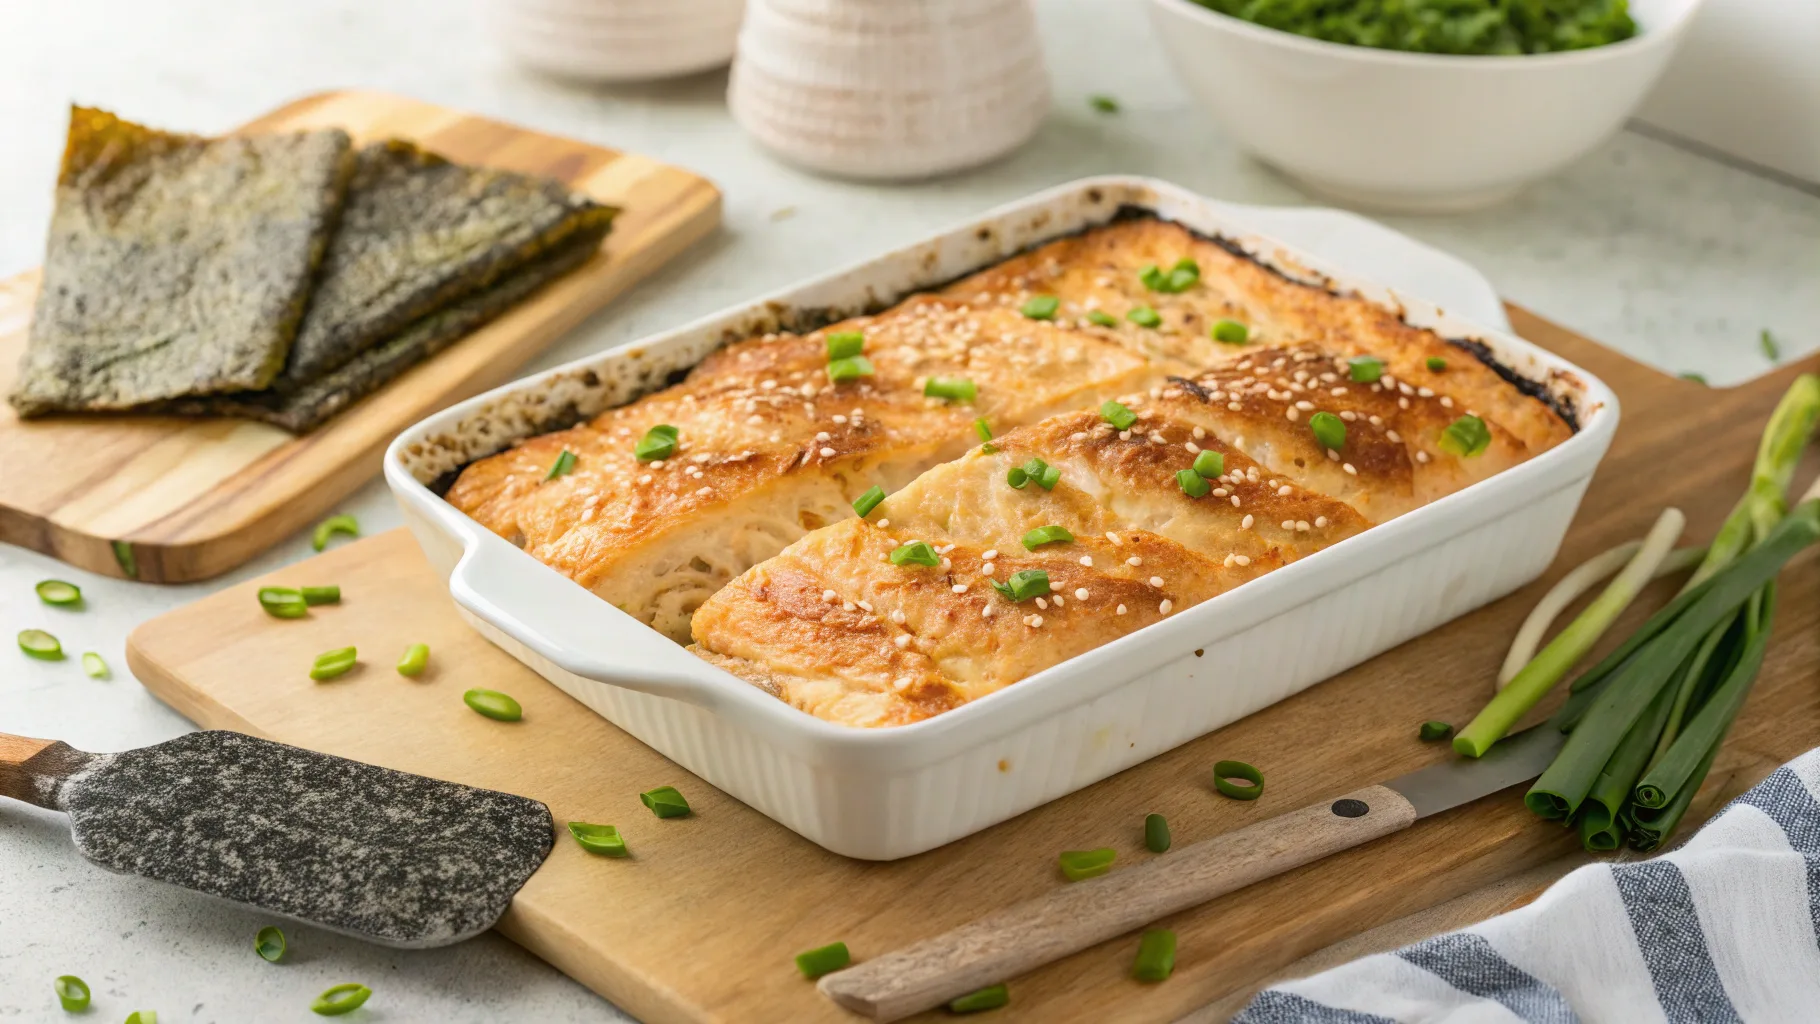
x=1455, y=781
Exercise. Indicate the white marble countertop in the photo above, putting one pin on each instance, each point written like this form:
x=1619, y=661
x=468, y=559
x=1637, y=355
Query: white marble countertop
x=1671, y=257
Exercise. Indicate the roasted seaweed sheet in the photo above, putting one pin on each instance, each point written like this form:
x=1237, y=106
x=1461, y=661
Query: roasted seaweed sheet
x=176, y=265
x=419, y=233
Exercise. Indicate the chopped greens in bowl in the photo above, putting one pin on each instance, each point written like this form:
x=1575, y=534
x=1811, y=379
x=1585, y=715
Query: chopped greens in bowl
x=1477, y=27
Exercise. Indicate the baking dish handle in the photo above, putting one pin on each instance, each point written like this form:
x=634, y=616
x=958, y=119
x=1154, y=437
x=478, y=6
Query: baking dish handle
x=572, y=629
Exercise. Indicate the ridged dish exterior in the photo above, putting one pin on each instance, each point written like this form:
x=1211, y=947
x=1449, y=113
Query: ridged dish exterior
x=617, y=40
x=887, y=793
x=888, y=90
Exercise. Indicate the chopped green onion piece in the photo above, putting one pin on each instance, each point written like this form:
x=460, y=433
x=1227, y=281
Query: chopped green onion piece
x=865, y=503
x=1329, y=430
x=1365, y=369
x=845, y=344
x=270, y=944
x=40, y=645
x=1156, y=833
x=416, y=658
x=94, y=666
x=1023, y=585
x=1432, y=731
x=563, y=466
x=142, y=1017
x=493, y=704
x=1465, y=437
x=1052, y=475
x=330, y=594
x=1210, y=464
x=1047, y=535
x=333, y=1002
x=1767, y=342
x=985, y=999
x=1155, y=956
x=283, y=602
x=1192, y=484
x=1151, y=277
x=1041, y=307
x=665, y=802
x=1102, y=318
x=1105, y=105
x=916, y=552
x=1045, y=475
x=602, y=839
x=850, y=368
x=1697, y=378
x=823, y=959
x=1231, y=332
x=1144, y=316
x=1117, y=414
x=954, y=389
x=1182, y=276
x=331, y=664
x=1224, y=774
x=1437, y=364
x=1079, y=864
x=128, y=562
x=1017, y=477
x=331, y=526
x=72, y=992
x=983, y=429
x=658, y=443
x=59, y=592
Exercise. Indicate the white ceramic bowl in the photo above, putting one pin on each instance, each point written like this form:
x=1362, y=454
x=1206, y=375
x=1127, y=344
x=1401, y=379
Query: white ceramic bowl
x=1412, y=131
x=616, y=40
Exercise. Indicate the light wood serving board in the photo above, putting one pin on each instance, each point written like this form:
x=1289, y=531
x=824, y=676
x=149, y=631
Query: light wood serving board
x=701, y=923
x=169, y=500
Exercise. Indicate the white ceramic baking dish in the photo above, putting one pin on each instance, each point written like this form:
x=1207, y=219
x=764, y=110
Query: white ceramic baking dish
x=887, y=793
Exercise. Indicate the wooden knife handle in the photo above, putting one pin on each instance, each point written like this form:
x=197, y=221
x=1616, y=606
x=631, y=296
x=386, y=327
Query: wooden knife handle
x=34, y=770
x=1072, y=917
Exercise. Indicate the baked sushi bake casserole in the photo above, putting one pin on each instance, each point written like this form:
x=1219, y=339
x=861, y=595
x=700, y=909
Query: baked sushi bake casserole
x=902, y=512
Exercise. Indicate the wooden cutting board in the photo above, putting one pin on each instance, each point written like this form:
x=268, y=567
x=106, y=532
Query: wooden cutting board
x=167, y=500
x=701, y=923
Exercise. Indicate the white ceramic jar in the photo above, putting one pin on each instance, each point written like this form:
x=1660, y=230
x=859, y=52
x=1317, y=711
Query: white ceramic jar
x=616, y=40
x=889, y=89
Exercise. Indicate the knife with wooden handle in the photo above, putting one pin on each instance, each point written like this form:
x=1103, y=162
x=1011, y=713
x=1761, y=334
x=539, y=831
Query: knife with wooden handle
x=1028, y=935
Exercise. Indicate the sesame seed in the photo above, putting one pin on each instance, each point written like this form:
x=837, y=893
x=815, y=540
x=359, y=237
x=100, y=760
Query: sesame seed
x=1120, y=610
x=659, y=464
x=990, y=554
x=1337, y=392
x=827, y=453
x=959, y=588
x=1134, y=561
x=1394, y=436
x=944, y=549
x=838, y=418
x=1332, y=456
x=1157, y=437
x=824, y=436
x=1446, y=402
x=1422, y=457
x=1425, y=392
x=1301, y=526
x=1087, y=560
x=1165, y=606
x=1220, y=492
x=644, y=478
x=1193, y=449
x=754, y=419
x=1113, y=537
x=1402, y=403
x=1228, y=562
x=704, y=490
x=1288, y=524
x=767, y=385
x=1242, y=559
x=902, y=640
x=1199, y=433
x=1320, y=521
x=1034, y=622
x=1235, y=501
x=865, y=605
x=897, y=616
x=882, y=523
x=828, y=596
x=1234, y=406
x=946, y=565
x=1292, y=414
x=1080, y=593
x=1042, y=603
x=1124, y=435
x=988, y=569
x=1156, y=581
x=1245, y=523
x=847, y=606
x=1058, y=601
x=1348, y=415
x=1347, y=466
x=1376, y=421
x=986, y=611
x=1305, y=406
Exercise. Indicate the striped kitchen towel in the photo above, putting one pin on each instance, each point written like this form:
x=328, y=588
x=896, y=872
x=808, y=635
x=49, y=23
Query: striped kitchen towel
x=1722, y=929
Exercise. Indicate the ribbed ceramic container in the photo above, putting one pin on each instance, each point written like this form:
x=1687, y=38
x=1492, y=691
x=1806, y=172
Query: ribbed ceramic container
x=889, y=89
x=616, y=40
x=886, y=793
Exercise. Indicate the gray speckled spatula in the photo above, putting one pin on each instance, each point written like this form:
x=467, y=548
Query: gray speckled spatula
x=381, y=855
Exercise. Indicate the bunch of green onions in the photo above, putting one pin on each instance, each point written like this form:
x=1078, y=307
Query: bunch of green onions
x=1645, y=722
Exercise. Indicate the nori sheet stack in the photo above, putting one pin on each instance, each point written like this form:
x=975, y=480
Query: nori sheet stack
x=176, y=265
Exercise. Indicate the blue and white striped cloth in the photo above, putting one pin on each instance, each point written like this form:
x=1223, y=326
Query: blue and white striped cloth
x=1723, y=929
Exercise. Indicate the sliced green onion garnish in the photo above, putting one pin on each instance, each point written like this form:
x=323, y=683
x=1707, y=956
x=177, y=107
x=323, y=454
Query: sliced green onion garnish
x=1017, y=477
x=330, y=594
x=1697, y=378
x=983, y=429
x=1767, y=342
x=1192, y=483
x=1156, y=833
x=823, y=959
x=1041, y=307
x=1465, y=437
x=658, y=443
x=985, y=999
x=72, y=992
x=142, y=1017
x=865, y=503
x=283, y=602
x=1182, y=276
x=1231, y=332
x=1023, y=585
x=1329, y=430
x=563, y=466
x=493, y=704
x=1365, y=369
x=602, y=839
x=1105, y=105
x=1224, y=774
x=1144, y=316
x=333, y=1002
x=1210, y=464
x=270, y=944
x=1156, y=955
x=1151, y=277
x=1437, y=364
x=665, y=802
x=954, y=389
x=41, y=645
x=916, y=552
x=124, y=557
x=1102, y=318
x=1117, y=414
x=59, y=592
x=1045, y=475
x=416, y=658
x=845, y=344
x=331, y=664
x=94, y=666
x=850, y=368
x=1079, y=864
x=1432, y=731
x=1047, y=535
x=331, y=526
